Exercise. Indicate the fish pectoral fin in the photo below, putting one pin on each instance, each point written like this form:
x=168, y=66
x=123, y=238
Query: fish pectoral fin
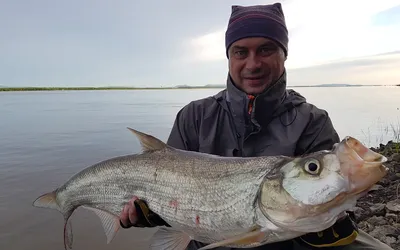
x=256, y=235
x=168, y=238
x=109, y=221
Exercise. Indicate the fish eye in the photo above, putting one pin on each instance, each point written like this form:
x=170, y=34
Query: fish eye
x=312, y=166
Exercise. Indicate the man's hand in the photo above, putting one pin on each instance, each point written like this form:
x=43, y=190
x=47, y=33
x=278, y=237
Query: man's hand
x=128, y=217
x=136, y=214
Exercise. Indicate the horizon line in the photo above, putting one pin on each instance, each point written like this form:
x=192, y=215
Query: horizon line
x=209, y=86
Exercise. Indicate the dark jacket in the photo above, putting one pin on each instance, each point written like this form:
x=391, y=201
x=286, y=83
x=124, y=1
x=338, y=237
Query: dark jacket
x=278, y=122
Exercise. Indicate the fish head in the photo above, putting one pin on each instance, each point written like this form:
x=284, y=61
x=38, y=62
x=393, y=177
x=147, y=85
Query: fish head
x=309, y=193
x=359, y=165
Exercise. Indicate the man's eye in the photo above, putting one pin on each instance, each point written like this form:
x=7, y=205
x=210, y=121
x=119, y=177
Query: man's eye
x=268, y=50
x=240, y=53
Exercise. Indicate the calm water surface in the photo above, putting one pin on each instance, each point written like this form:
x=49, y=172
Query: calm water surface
x=45, y=137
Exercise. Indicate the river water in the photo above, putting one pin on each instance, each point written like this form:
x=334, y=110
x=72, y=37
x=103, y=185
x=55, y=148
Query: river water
x=45, y=137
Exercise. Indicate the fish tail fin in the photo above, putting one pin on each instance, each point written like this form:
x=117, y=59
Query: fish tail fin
x=48, y=200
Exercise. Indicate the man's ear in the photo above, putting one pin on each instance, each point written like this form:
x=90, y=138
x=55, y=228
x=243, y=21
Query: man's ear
x=228, y=52
x=283, y=54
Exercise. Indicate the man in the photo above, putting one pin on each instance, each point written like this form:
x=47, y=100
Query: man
x=256, y=115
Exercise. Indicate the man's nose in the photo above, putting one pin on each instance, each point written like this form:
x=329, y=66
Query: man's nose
x=253, y=62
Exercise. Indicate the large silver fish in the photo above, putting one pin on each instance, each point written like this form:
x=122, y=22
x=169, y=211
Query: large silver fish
x=222, y=201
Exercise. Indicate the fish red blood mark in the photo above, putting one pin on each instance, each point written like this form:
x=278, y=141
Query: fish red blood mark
x=197, y=220
x=173, y=203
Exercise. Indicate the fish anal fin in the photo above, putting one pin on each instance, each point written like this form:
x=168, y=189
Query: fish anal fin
x=254, y=236
x=168, y=238
x=109, y=222
x=148, y=142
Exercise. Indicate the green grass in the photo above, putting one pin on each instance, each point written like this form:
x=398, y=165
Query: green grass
x=391, y=130
x=394, y=129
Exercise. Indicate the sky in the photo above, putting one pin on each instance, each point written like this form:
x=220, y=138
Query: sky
x=167, y=43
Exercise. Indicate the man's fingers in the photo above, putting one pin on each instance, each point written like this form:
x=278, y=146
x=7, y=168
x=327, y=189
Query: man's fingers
x=132, y=212
x=124, y=217
x=128, y=215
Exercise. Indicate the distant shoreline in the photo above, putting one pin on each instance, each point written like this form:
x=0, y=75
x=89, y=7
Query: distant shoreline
x=8, y=89
x=95, y=88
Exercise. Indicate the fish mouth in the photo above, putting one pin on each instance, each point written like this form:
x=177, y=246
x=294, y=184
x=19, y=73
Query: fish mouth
x=361, y=166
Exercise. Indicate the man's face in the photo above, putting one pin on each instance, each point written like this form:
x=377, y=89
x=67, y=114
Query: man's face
x=255, y=63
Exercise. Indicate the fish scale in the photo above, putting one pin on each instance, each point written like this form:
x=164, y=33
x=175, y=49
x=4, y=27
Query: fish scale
x=195, y=188
x=224, y=201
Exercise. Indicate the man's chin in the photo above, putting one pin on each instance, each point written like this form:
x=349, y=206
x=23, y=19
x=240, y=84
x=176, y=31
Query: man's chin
x=254, y=87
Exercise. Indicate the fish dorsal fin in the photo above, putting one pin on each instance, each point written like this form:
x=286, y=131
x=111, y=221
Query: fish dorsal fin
x=48, y=200
x=148, y=142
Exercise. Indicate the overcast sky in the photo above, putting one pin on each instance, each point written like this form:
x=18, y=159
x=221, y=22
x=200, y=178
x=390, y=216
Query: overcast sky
x=168, y=43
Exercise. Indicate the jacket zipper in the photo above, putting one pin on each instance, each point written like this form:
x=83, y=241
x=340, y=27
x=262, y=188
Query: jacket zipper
x=250, y=106
x=249, y=110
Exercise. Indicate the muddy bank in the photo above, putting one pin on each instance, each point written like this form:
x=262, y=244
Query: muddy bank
x=378, y=213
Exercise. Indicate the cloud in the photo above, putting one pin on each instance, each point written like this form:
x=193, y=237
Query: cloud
x=381, y=69
x=167, y=43
x=209, y=47
x=337, y=30
x=374, y=69
x=319, y=31
x=387, y=17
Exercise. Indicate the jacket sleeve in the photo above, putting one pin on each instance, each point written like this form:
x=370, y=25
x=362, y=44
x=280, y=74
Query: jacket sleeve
x=319, y=133
x=184, y=133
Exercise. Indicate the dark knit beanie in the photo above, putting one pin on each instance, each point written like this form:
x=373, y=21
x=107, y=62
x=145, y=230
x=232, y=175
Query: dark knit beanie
x=257, y=21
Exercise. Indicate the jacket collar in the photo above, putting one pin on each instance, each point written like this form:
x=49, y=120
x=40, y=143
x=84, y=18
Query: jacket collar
x=264, y=105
